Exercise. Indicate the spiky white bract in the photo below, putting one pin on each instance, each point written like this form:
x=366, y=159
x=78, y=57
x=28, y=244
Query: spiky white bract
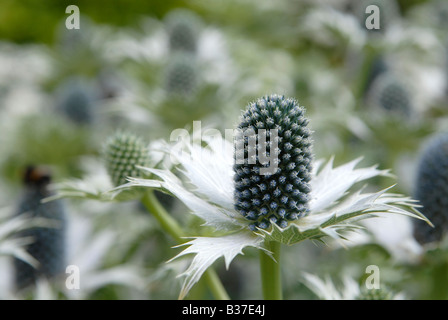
x=394, y=233
x=209, y=249
x=10, y=243
x=325, y=289
x=87, y=249
x=207, y=191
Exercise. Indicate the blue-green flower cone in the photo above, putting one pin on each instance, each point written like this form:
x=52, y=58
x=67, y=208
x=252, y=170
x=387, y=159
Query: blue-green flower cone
x=276, y=191
x=181, y=76
x=431, y=189
x=123, y=153
x=391, y=95
x=75, y=101
x=183, y=30
x=49, y=245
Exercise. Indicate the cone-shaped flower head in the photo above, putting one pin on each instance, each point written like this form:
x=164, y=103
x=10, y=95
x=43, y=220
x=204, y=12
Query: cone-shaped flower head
x=183, y=29
x=181, y=75
x=122, y=153
x=48, y=246
x=272, y=162
x=432, y=189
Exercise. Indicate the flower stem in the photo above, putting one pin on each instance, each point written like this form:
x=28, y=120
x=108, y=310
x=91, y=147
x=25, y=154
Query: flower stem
x=167, y=223
x=215, y=284
x=171, y=226
x=369, y=56
x=270, y=272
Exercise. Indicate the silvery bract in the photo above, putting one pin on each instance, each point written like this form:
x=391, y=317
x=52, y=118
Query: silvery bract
x=325, y=289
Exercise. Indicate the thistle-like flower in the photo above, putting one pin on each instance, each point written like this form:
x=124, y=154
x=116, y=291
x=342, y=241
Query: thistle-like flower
x=48, y=243
x=75, y=101
x=181, y=77
x=391, y=94
x=305, y=203
x=183, y=29
x=123, y=153
x=432, y=189
x=280, y=193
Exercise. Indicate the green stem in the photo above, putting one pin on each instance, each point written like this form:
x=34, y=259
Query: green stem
x=369, y=56
x=171, y=226
x=215, y=284
x=270, y=272
x=167, y=222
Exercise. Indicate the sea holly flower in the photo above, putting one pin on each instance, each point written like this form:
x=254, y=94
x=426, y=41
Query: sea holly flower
x=431, y=188
x=75, y=100
x=181, y=76
x=183, y=29
x=123, y=152
x=247, y=208
x=391, y=94
x=48, y=245
x=121, y=156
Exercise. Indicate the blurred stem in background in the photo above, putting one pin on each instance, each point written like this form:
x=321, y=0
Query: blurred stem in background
x=170, y=225
x=370, y=54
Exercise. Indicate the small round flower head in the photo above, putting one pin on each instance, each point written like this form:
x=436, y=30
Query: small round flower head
x=183, y=30
x=75, y=101
x=272, y=162
x=48, y=246
x=122, y=153
x=181, y=75
x=390, y=94
x=375, y=294
x=432, y=189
